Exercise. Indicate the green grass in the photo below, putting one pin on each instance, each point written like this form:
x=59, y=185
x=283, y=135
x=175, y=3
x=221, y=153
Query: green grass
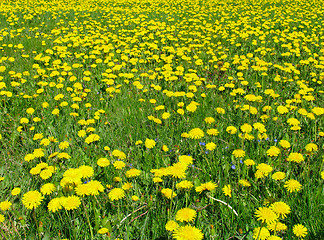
x=112, y=33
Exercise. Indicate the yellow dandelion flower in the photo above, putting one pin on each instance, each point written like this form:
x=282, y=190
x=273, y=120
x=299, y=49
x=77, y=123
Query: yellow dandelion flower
x=292, y=185
x=168, y=193
x=188, y=233
x=71, y=202
x=261, y=233
x=196, y=133
x=186, y=215
x=5, y=205
x=273, y=151
x=133, y=173
x=266, y=215
x=47, y=188
x=278, y=176
x=295, y=157
x=15, y=191
x=311, y=147
x=32, y=199
x=284, y=144
x=238, y=153
x=103, y=230
x=184, y=185
x=119, y=164
x=103, y=162
x=280, y=208
x=227, y=190
x=116, y=194
x=300, y=230
x=149, y=143
x=277, y=226
x=171, y=225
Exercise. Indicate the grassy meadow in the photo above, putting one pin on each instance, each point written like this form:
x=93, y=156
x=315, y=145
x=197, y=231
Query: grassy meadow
x=161, y=119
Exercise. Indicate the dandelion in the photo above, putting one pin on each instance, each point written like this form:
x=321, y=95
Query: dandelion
x=300, y=230
x=274, y=237
x=264, y=168
x=157, y=180
x=188, y=233
x=165, y=148
x=171, y=225
x=209, y=186
x=168, y=193
x=119, y=154
x=280, y=208
x=282, y=109
x=127, y=186
x=138, y=142
x=116, y=194
x=117, y=179
x=186, y=215
x=82, y=190
x=5, y=205
x=71, y=202
x=47, y=188
x=209, y=120
x=211, y=146
x=311, y=147
x=184, y=185
x=38, y=153
x=196, y=133
x=92, y=138
x=191, y=107
x=185, y=159
x=266, y=215
x=238, y=153
x=119, y=164
x=15, y=191
x=284, y=144
x=277, y=226
x=231, y=130
x=295, y=157
x=103, y=162
x=149, y=143
x=227, y=190
x=86, y=171
x=46, y=174
x=133, y=173
x=212, y=132
x=30, y=111
x=273, y=151
x=249, y=162
x=292, y=185
x=2, y=218
x=244, y=183
x=32, y=199
x=64, y=145
x=177, y=170
x=220, y=110
x=246, y=128
x=103, y=230
x=55, y=204
x=278, y=176
x=261, y=233
x=135, y=198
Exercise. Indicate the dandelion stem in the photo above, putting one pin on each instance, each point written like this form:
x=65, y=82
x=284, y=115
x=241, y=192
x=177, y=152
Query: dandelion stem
x=260, y=231
x=88, y=220
x=132, y=213
x=224, y=204
x=35, y=219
